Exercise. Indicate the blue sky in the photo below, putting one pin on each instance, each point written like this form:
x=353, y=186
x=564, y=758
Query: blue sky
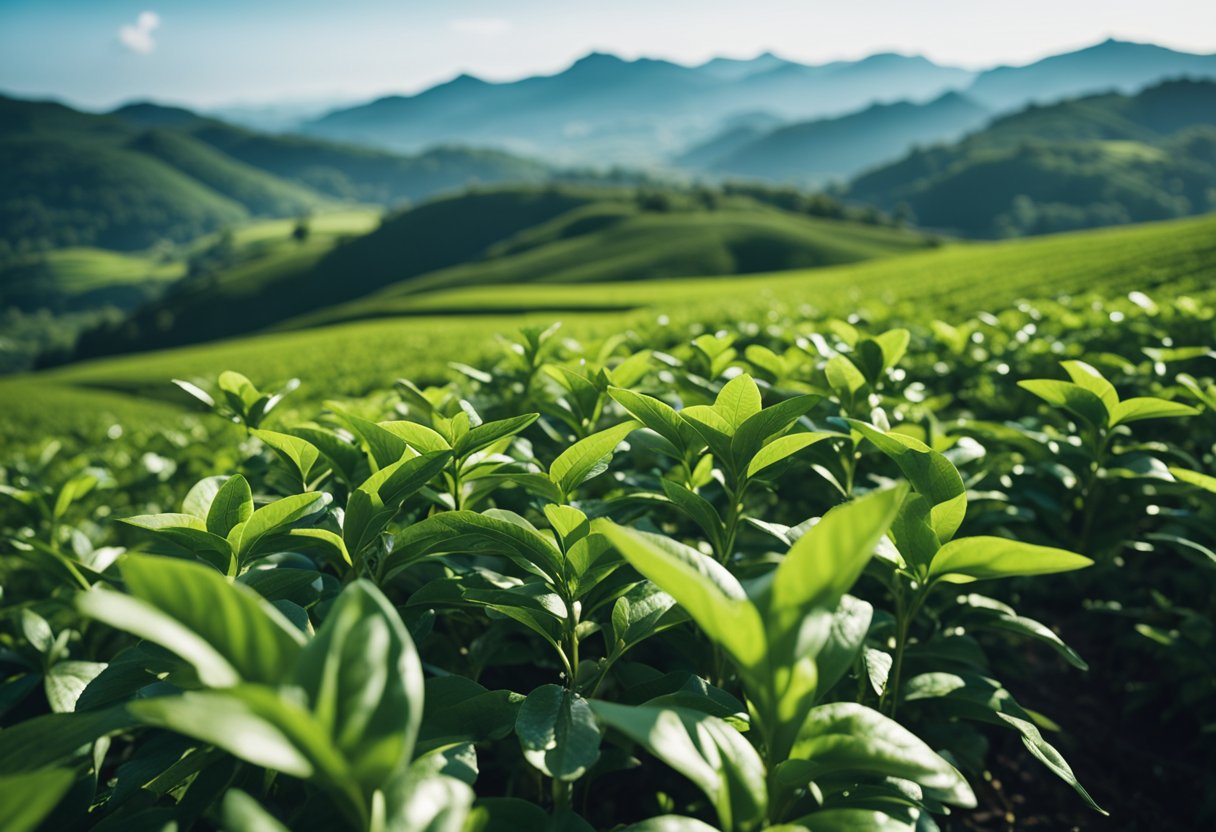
x=100, y=52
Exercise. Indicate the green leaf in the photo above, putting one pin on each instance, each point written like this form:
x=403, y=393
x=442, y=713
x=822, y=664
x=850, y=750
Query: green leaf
x=273, y=518
x=930, y=473
x=845, y=738
x=767, y=423
x=581, y=460
x=670, y=823
x=65, y=681
x=843, y=375
x=1087, y=376
x=467, y=532
x=1074, y=398
x=75, y=488
x=226, y=631
x=420, y=802
x=700, y=510
x=643, y=611
x=999, y=616
x=48, y=739
x=558, y=733
x=299, y=453
x=738, y=400
x=1047, y=754
x=241, y=813
x=659, y=417
x=849, y=820
x=364, y=683
x=850, y=625
x=978, y=558
x=706, y=750
x=708, y=593
x=1194, y=478
x=487, y=433
x=232, y=504
x=824, y=563
x=1146, y=407
x=252, y=723
x=419, y=437
x=782, y=448
x=27, y=799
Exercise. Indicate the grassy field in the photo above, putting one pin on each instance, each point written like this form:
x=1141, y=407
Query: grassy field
x=430, y=330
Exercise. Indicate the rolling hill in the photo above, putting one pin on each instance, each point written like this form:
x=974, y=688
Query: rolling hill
x=144, y=174
x=1099, y=160
x=503, y=236
x=351, y=359
x=820, y=151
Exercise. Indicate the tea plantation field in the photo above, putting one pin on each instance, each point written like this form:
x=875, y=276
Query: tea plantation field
x=920, y=543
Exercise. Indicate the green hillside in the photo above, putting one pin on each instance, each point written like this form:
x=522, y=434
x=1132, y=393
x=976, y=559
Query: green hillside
x=350, y=359
x=147, y=174
x=502, y=236
x=1102, y=160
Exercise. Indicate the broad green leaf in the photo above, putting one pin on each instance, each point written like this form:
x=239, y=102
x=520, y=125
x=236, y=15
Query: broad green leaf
x=487, y=433
x=643, y=611
x=766, y=424
x=782, y=448
x=419, y=437
x=843, y=375
x=558, y=733
x=708, y=593
x=848, y=738
x=51, y=738
x=271, y=519
x=1087, y=376
x=930, y=473
x=364, y=683
x=978, y=558
x=659, y=417
x=850, y=625
x=698, y=508
x=299, y=453
x=738, y=400
x=670, y=823
x=1194, y=478
x=416, y=801
x=26, y=799
x=232, y=504
x=581, y=460
x=253, y=723
x=824, y=563
x=1074, y=398
x=65, y=681
x=241, y=813
x=1146, y=407
x=706, y=750
x=75, y=488
x=231, y=620
x=461, y=532
x=849, y=820
x=185, y=532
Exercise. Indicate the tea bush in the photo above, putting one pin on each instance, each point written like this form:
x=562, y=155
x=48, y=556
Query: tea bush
x=778, y=576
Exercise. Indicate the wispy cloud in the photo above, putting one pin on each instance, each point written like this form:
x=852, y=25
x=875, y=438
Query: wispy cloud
x=137, y=36
x=483, y=26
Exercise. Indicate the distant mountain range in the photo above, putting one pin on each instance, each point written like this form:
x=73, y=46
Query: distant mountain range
x=146, y=173
x=1097, y=160
x=813, y=153
x=607, y=110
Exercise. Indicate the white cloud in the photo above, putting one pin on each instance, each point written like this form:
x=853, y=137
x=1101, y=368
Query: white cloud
x=483, y=26
x=137, y=36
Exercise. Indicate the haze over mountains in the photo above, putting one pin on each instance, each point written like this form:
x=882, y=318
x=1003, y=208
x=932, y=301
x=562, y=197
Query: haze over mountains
x=605, y=109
